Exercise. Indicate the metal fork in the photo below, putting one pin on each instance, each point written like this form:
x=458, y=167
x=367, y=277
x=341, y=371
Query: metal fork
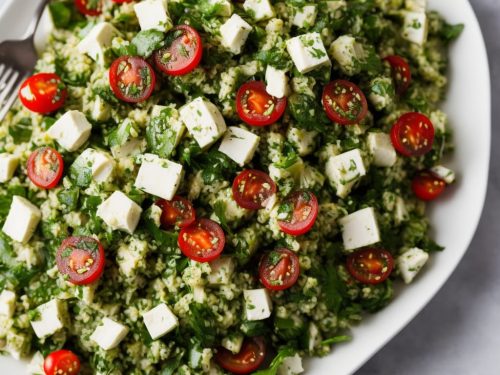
x=17, y=60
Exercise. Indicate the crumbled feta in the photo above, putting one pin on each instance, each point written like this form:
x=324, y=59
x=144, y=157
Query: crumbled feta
x=360, y=229
x=71, y=130
x=305, y=16
x=233, y=343
x=22, y=219
x=234, y=33
x=291, y=366
x=109, y=334
x=303, y=140
x=224, y=7
x=101, y=110
x=344, y=170
x=276, y=82
x=400, y=211
x=258, y=304
x=153, y=14
x=259, y=9
x=159, y=321
x=411, y=262
x=160, y=177
x=7, y=303
x=347, y=52
x=380, y=146
x=101, y=164
x=381, y=92
x=239, y=144
x=120, y=212
x=222, y=270
x=97, y=41
x=415, y=27
x=446, y=174
x=8, y=165
x=52, y=317
x=307, y=52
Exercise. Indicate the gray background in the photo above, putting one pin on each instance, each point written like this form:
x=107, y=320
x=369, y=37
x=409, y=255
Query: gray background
x=459, y=331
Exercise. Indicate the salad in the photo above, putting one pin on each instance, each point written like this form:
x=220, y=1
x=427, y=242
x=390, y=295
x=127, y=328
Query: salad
x=212, y=187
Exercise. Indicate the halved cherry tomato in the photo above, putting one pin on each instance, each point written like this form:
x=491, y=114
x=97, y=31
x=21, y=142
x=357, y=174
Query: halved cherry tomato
x=45, y=167
x=279, y=269
x=401, y=73
x=252, y=189
x=344, y=102
x=413, y=134
x=132, y=79
x=81, y=259
x=202, y=241
x=256, y=107
x=89, y=7
x=178, y=212
x=298, y=212
x=181, y=53
x=370, y=266
x=427, y=186
x=61, y=362
x=249, y=359
x=43, y=93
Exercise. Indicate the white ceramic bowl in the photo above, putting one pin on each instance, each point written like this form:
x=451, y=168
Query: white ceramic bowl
x=454, y=217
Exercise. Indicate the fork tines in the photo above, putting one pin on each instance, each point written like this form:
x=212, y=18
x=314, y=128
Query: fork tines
x=10, y=79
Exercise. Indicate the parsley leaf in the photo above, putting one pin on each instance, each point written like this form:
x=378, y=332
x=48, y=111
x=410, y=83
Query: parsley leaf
x=147, y=41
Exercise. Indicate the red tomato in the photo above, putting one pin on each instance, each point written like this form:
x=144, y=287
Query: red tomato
x=401, y=73
x=279, y=269
x=178, y=212
x=413, y=134
x=81, y=259
x=300, y=210
x=252, y=189
x=202, y=241
x=61, y=362
x=370, y=266
x=344, y=102
x=181, y=53
x=427, y=186
x=89, y=7
x=250, y=357
x=45, y=167
x=43, y=93
x=132, y=79
x=256, y=107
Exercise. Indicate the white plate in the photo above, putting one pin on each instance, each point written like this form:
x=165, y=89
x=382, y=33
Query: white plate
x=454, y=217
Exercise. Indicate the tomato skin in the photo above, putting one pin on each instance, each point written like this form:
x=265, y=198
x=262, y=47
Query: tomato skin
x=43, y=93
x=45, y=167
x=427, y=186
x=401, y=73
x=82, y=6
x=252, y=189
x=344, y=96
x=128, y=71
x=253, y=103
x=178, y=212
x=61, y=360
x=279, y=269
x=249, y=359
x=202, y=241
x=302, y=202
x=370, y=266
x=413, y=134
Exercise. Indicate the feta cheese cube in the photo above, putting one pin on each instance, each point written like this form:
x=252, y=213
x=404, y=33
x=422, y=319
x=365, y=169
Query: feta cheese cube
x=239, y=144
x=7, y=303
x=101, y=165
x=222, y=270
x=35, y=367
x=411, y=262
x=120, y=212
x=160, y=177
x=199, y=294
x=305, y=17
x=347, y=52
x=22, y=219
x=259, y=9
x=360, y=229
x=233, y=343
x=291, y=366
x=302, y=140
x=159, y=321
x=101, y=111
x=307, y=52
x=344, y=170
x=277, y=82
x=416, y=5
x=400, y=211
x=415, y=27
x=71, y=130
x=446, y=174
x=203, y=121
x=52, y=317
x=234, y=33
x=97, y=41
x=153, y=14
x=258, y=304
x=109, y=334
x=8, y=165
x=224, y=7
x=132, y=147
x=381, y=148
x=381, y=93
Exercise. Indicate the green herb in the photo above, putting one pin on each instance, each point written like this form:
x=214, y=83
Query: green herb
x=277, y=361
x=21, y=132
x=335, y=340
x=451, y=32
x=61, y=14
x=160, y=136
x=147, y=41
x=105, y=93
x=201, y=319
x=69, y=198
x=220, y=212
x=122, y=133
x=80, y=173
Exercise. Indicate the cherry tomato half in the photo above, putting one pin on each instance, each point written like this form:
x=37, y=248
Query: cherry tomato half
x=81, y=259
x=344, y=102
x=370, y=266
x=413, y=134
x=256, y=107
x=252, y=189
x=61, y=362
x=89, y=7
x=45, y=167
x=401, y=73
x=279, y=269
x=181, y=53
x=298, y=212
x=132, y=79
x=427, y=186
x=202, y=241
x=43, y=93
x=249, y=359
x=178, y=212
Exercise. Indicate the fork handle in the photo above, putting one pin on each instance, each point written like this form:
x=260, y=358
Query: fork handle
x=36, y=19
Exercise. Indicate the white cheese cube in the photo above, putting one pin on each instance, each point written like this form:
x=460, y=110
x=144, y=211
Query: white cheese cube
x=347, y=52
x=35, y=367
x=306, y=16
x=109, y=334
x=120, y=212
x=416, y=5
x=22, y=219
x=234, y=33
x=199, y=294
x=344, y=170
x=221, y=270
x=446, y=174
x=239, y=144
x=307, y=52
x=303, y=140
x=360, y=229
x=153, y=14
x=381, y=92
x=159, y=321
x=415, y=27
x=97, y=41
x=259, y=9
x=8, y=165
x=101, y=111
x=7, y=303
x=52, y=317
x=100, y=164
x=400, y=211
x=224, y=7
x=71, y=130
x=381, y=148
x=133, y=147
x=160, y=177
x=258, y=304
x=203, y=121
x=233, y=343
x=276, y=82
x=411, y=262
x=291, y=366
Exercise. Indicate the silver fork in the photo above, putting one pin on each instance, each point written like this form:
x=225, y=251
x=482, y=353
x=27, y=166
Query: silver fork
x=17, y=60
